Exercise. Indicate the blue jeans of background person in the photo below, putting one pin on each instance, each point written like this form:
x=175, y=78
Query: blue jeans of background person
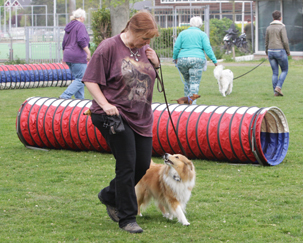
x=191, y=69
x=278, y=58
x=133, y=155
x=76, y=88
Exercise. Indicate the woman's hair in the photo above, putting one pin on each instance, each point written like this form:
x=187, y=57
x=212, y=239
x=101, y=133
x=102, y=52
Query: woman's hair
x=78, y=14
x=196, y=22
x=142, y=24
x=276, y=15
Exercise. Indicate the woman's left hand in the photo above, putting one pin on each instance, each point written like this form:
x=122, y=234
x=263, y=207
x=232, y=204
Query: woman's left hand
x=152, y=56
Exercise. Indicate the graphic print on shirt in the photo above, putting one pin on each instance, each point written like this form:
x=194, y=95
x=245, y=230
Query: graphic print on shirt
x=137, y=83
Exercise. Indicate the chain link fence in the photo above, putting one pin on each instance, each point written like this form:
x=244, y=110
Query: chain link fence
x=44, y=44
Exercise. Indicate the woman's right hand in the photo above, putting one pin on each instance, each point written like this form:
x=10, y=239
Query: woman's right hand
x=110, y=109
x=99, y=97
x=88, y=56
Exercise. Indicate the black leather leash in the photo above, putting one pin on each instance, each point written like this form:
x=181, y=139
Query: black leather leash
x=160, y=87
x=250, y=70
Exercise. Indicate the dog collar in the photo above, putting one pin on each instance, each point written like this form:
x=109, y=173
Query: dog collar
x=189, y=99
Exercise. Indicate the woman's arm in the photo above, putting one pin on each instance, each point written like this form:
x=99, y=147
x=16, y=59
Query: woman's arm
x=99, y=97
x=208, y=49
x=87, y=53
x=177, y=47
x=285, y=40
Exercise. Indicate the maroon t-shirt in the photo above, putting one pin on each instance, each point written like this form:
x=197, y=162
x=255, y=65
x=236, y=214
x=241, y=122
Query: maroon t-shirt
x=126, y=83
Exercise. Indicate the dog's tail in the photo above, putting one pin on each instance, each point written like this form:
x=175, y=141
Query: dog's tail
x=87, y=112
x=152, y=163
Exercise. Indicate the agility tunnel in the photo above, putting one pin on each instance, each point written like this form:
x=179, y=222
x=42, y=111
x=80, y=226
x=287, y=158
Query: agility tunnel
x=25, y=76
x=220, y=133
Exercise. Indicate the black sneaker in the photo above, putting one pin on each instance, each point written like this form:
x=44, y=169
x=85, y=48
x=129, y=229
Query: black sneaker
x=132, y=228
x=111, y=211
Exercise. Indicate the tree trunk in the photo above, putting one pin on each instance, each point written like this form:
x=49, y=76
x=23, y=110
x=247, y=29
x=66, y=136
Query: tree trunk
x=119, y=15
x=71, y=7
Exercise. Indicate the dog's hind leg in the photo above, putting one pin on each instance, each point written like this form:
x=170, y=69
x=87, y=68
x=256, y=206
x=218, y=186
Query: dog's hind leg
x=143, y=198
x=224, y=89
x=229, y=90
x=221, y=89
x=164, y=213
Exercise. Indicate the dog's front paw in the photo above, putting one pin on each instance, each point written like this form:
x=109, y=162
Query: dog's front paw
x=186, y=223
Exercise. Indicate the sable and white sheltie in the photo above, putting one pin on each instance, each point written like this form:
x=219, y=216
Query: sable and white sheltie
x=170, y=186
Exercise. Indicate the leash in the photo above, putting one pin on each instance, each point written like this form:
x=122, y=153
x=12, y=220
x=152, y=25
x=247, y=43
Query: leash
x=250, y=70
x=160, y=87
x=176, y=64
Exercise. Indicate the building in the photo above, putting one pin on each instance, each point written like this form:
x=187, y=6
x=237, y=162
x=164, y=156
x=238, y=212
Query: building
x=292, y=17
x=239, y=11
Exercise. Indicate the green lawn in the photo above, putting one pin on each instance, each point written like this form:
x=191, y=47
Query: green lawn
x=52, y=196
x=38, y=50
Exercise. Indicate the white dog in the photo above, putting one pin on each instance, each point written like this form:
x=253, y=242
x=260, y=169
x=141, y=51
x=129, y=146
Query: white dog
x=225, y=79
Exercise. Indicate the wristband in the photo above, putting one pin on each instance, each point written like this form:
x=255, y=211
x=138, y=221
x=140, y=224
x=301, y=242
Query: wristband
x=158, y=67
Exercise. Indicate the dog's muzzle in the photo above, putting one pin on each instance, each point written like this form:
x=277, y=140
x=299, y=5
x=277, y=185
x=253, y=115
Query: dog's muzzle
x=166, y=159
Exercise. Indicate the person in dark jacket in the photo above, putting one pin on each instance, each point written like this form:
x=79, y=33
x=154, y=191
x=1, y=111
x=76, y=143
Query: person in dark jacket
x=247, y=31
x=277, y=49
x=76, y=53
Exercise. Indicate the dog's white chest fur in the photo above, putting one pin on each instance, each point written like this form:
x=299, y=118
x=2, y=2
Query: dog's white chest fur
x=181, y=189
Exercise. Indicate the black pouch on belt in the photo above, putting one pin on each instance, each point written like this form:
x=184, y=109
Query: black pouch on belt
x=113, y=123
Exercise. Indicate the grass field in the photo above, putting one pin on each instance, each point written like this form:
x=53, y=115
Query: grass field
x=38, y=50
x=52, y=196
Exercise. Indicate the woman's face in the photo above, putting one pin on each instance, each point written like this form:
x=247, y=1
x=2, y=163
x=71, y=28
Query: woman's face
x=138, y=41
x=82, y=19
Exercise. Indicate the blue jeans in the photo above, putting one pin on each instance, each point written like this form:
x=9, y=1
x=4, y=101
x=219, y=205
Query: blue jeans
x=278, y=58
x=76, y=88
x=191, y=69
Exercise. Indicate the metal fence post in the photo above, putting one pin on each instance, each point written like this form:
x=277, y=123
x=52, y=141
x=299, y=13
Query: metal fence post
x=27, y=44
x=58, y=45
x=50, y=52
x=206, y=20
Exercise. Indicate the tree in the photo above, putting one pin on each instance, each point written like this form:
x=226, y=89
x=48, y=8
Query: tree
x=101, y=25
x=119, y=13
x=72, y=7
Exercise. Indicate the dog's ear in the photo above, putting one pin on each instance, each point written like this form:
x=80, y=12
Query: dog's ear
x=190, y=165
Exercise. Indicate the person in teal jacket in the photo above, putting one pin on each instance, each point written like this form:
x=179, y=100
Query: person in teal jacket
x=189, y=55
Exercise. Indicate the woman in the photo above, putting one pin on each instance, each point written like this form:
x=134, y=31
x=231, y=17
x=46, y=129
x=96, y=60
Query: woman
x=120, y=78
x=189, y=55
x=76, y=53
x=277, y=49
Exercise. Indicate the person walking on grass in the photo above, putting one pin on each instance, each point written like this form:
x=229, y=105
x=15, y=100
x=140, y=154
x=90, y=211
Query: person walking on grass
x=247, y=31
x=277, y=50
x=189, y=55
x=76, y=53
x=120, y=78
